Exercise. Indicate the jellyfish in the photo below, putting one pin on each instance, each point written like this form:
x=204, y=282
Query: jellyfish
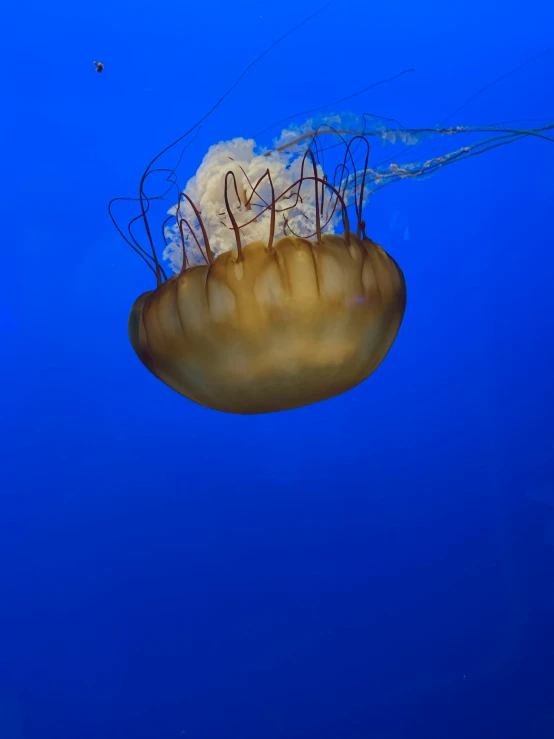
x=279, y=320
x=278, y=297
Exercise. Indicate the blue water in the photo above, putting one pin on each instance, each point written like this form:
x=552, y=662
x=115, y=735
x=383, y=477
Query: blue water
x=378, y=566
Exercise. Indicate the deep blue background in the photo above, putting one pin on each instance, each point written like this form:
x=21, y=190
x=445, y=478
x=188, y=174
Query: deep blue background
x=379, y=566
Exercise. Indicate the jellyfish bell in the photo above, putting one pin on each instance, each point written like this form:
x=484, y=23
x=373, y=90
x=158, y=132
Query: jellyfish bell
x=278, y=328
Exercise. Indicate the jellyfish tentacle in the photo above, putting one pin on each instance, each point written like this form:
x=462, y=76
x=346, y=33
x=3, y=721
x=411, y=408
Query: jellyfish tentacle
x=202, y=227
x=236, y=228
